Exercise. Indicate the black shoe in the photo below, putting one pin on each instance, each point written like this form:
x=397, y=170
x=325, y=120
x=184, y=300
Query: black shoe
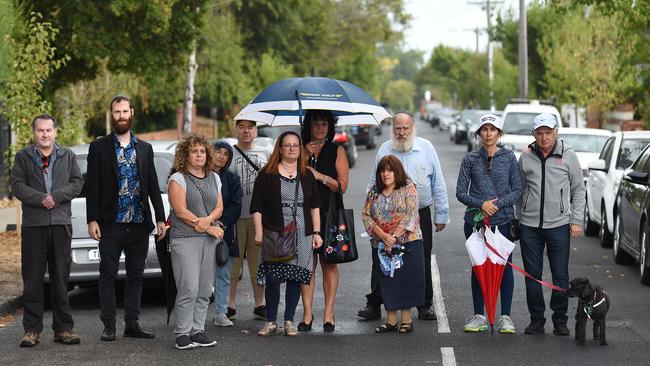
x=536, y=326
x=561, y=329
x=200, y=340
x=134, y=331
x=426, y=314
x=108, y=334
x=369, y=313
x=184, y=342
x=329, y=326
x=305, y=327
x=231, y=313
x=260, y=312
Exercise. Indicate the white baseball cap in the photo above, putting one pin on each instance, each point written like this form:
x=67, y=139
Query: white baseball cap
x=492, y=119
x=544, y=120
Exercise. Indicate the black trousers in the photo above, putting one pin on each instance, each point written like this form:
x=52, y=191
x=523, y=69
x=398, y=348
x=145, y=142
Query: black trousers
x=374, y=298
x=41, y=247
x=133, y=239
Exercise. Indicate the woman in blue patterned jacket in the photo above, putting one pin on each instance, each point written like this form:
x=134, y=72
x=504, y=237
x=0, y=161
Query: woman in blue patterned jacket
x=490, y=180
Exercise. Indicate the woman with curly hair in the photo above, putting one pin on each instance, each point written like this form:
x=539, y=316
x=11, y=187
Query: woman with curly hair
x=195, y=197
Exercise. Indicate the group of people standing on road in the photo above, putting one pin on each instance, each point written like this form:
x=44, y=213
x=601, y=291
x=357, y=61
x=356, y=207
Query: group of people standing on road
x=231, y=194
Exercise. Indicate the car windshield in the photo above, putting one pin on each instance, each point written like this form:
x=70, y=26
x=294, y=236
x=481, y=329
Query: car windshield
x=274, y=132
x=519, y=123
x=629, y=151
x=162, y=161
x=585, y=143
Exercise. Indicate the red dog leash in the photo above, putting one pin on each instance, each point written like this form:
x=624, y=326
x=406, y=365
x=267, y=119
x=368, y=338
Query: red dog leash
x=486, y=221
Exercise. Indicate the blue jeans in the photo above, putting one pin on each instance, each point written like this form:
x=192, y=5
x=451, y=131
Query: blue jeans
x=557, y=243
x=272, y=297
x=222, y=287
x=507, y=283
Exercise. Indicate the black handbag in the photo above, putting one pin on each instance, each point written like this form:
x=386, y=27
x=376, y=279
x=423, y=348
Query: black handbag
x=340, y=241
x=514, y=230
x=280, y=246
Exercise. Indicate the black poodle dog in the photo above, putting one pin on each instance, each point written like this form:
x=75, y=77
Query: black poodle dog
x=593, y=303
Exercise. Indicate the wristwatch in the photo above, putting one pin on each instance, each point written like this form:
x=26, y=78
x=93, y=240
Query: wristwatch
x=316, y=233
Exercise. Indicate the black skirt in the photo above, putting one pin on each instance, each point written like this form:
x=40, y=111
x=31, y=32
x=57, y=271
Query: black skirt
x=406, y=288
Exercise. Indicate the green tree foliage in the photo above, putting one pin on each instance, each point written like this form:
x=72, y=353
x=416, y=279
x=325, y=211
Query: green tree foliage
x=586, y=59
x=399, y=94
x=7, y=19
x=35, y=61
x=146, y=38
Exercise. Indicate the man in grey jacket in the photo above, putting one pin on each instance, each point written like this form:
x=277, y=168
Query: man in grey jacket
x=550, y=213
x=45, y=178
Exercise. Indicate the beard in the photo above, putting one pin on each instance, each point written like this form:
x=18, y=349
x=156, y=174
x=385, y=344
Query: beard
x=120, y=127
x=404, y=145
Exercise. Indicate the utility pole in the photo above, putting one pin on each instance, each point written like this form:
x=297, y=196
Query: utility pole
x=523, y=51
x=487, y=6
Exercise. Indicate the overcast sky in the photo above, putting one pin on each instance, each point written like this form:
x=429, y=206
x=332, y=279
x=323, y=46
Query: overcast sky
x=449, y=22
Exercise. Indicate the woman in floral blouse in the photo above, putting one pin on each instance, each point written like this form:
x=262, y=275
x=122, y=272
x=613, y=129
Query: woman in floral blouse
x=390, y=216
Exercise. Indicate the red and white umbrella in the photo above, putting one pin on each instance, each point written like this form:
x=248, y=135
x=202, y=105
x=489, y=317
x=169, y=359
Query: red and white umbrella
x=488, y=251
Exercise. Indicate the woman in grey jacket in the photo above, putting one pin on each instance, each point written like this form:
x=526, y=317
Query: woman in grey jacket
x=490, y=180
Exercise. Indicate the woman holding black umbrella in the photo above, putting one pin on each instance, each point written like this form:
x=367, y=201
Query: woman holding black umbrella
x=329, y=164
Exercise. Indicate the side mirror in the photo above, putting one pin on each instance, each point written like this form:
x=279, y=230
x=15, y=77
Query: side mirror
x=638, y=176
x=598, y=164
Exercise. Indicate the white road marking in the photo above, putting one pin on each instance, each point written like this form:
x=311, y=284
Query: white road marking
x=448, y=358
x=438, y=303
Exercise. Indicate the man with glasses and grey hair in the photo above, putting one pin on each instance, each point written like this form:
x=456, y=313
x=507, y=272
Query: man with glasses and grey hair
x=45, y=178
x=420, y=160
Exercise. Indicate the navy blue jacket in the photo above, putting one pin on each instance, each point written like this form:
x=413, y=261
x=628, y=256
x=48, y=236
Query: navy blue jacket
x=475, y=186
x=231, y=193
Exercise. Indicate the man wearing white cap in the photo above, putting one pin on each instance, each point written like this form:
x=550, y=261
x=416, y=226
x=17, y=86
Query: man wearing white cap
x=550, y=213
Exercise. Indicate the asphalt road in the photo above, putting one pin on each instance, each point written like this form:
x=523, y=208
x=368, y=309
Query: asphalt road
x=353, y=342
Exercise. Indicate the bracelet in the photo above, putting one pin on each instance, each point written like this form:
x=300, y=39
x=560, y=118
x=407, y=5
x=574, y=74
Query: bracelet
x=325, y=180
x=316, y=232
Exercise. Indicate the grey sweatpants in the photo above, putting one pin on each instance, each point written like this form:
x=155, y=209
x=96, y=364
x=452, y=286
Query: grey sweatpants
x=193, y=260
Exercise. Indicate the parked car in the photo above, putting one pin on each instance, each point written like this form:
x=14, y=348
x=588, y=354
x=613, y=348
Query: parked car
x=473, y=142
x=587, y=143
x=84, y=269
x=458, y=129
x=631, y=213
x=518, y=122
x=365, y=135
x=344, y=138
x=605, y=173
x=446, y=117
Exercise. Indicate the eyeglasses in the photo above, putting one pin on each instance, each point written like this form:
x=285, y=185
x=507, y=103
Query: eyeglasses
x=45, y=163
x=291, y=146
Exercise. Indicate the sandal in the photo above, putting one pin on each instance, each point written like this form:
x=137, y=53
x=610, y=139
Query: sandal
x=406, y=328
x=385, y=328
x=268, y=329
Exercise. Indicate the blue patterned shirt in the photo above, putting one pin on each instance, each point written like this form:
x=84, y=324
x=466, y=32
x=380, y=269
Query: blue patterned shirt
x=129, y=202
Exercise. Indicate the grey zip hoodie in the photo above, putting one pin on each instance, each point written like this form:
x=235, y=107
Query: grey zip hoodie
x=554, y=192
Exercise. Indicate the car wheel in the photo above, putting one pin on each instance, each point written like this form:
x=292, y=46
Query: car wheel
x=620, y=256
x=456, y=139
x=591, y=228
x=603, y=233
x=644, y=262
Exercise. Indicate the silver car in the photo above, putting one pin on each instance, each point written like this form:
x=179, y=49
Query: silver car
x=84, y=269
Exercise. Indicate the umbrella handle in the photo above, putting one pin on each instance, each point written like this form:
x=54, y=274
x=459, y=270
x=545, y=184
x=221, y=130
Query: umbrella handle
x=300, y=117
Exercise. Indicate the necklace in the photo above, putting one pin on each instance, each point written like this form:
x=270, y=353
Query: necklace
x=290, y=173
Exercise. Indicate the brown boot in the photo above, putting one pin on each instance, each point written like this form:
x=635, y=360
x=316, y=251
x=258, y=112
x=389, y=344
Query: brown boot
x=66, y=337
x=30, y=339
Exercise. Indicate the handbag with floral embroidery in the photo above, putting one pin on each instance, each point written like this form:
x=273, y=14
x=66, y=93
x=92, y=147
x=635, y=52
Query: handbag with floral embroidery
x=339, y=245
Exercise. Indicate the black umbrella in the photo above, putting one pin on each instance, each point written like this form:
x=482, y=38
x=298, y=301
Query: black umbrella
x=169, y=283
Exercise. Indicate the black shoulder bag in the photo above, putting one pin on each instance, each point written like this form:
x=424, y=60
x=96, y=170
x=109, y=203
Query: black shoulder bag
x=340, y=242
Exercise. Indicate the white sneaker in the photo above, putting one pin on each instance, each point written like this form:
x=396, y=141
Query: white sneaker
x=505, y=325
x=476, y=323
x=221, y=320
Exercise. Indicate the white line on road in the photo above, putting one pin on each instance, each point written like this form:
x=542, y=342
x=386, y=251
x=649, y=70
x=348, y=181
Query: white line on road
x=439, y=305
x=448, y=358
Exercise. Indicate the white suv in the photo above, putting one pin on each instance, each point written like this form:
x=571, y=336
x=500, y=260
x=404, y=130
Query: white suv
x=518, y=123
x=619, y=152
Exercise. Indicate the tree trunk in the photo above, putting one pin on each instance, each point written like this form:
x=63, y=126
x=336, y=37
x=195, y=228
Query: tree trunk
x=189, y=92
